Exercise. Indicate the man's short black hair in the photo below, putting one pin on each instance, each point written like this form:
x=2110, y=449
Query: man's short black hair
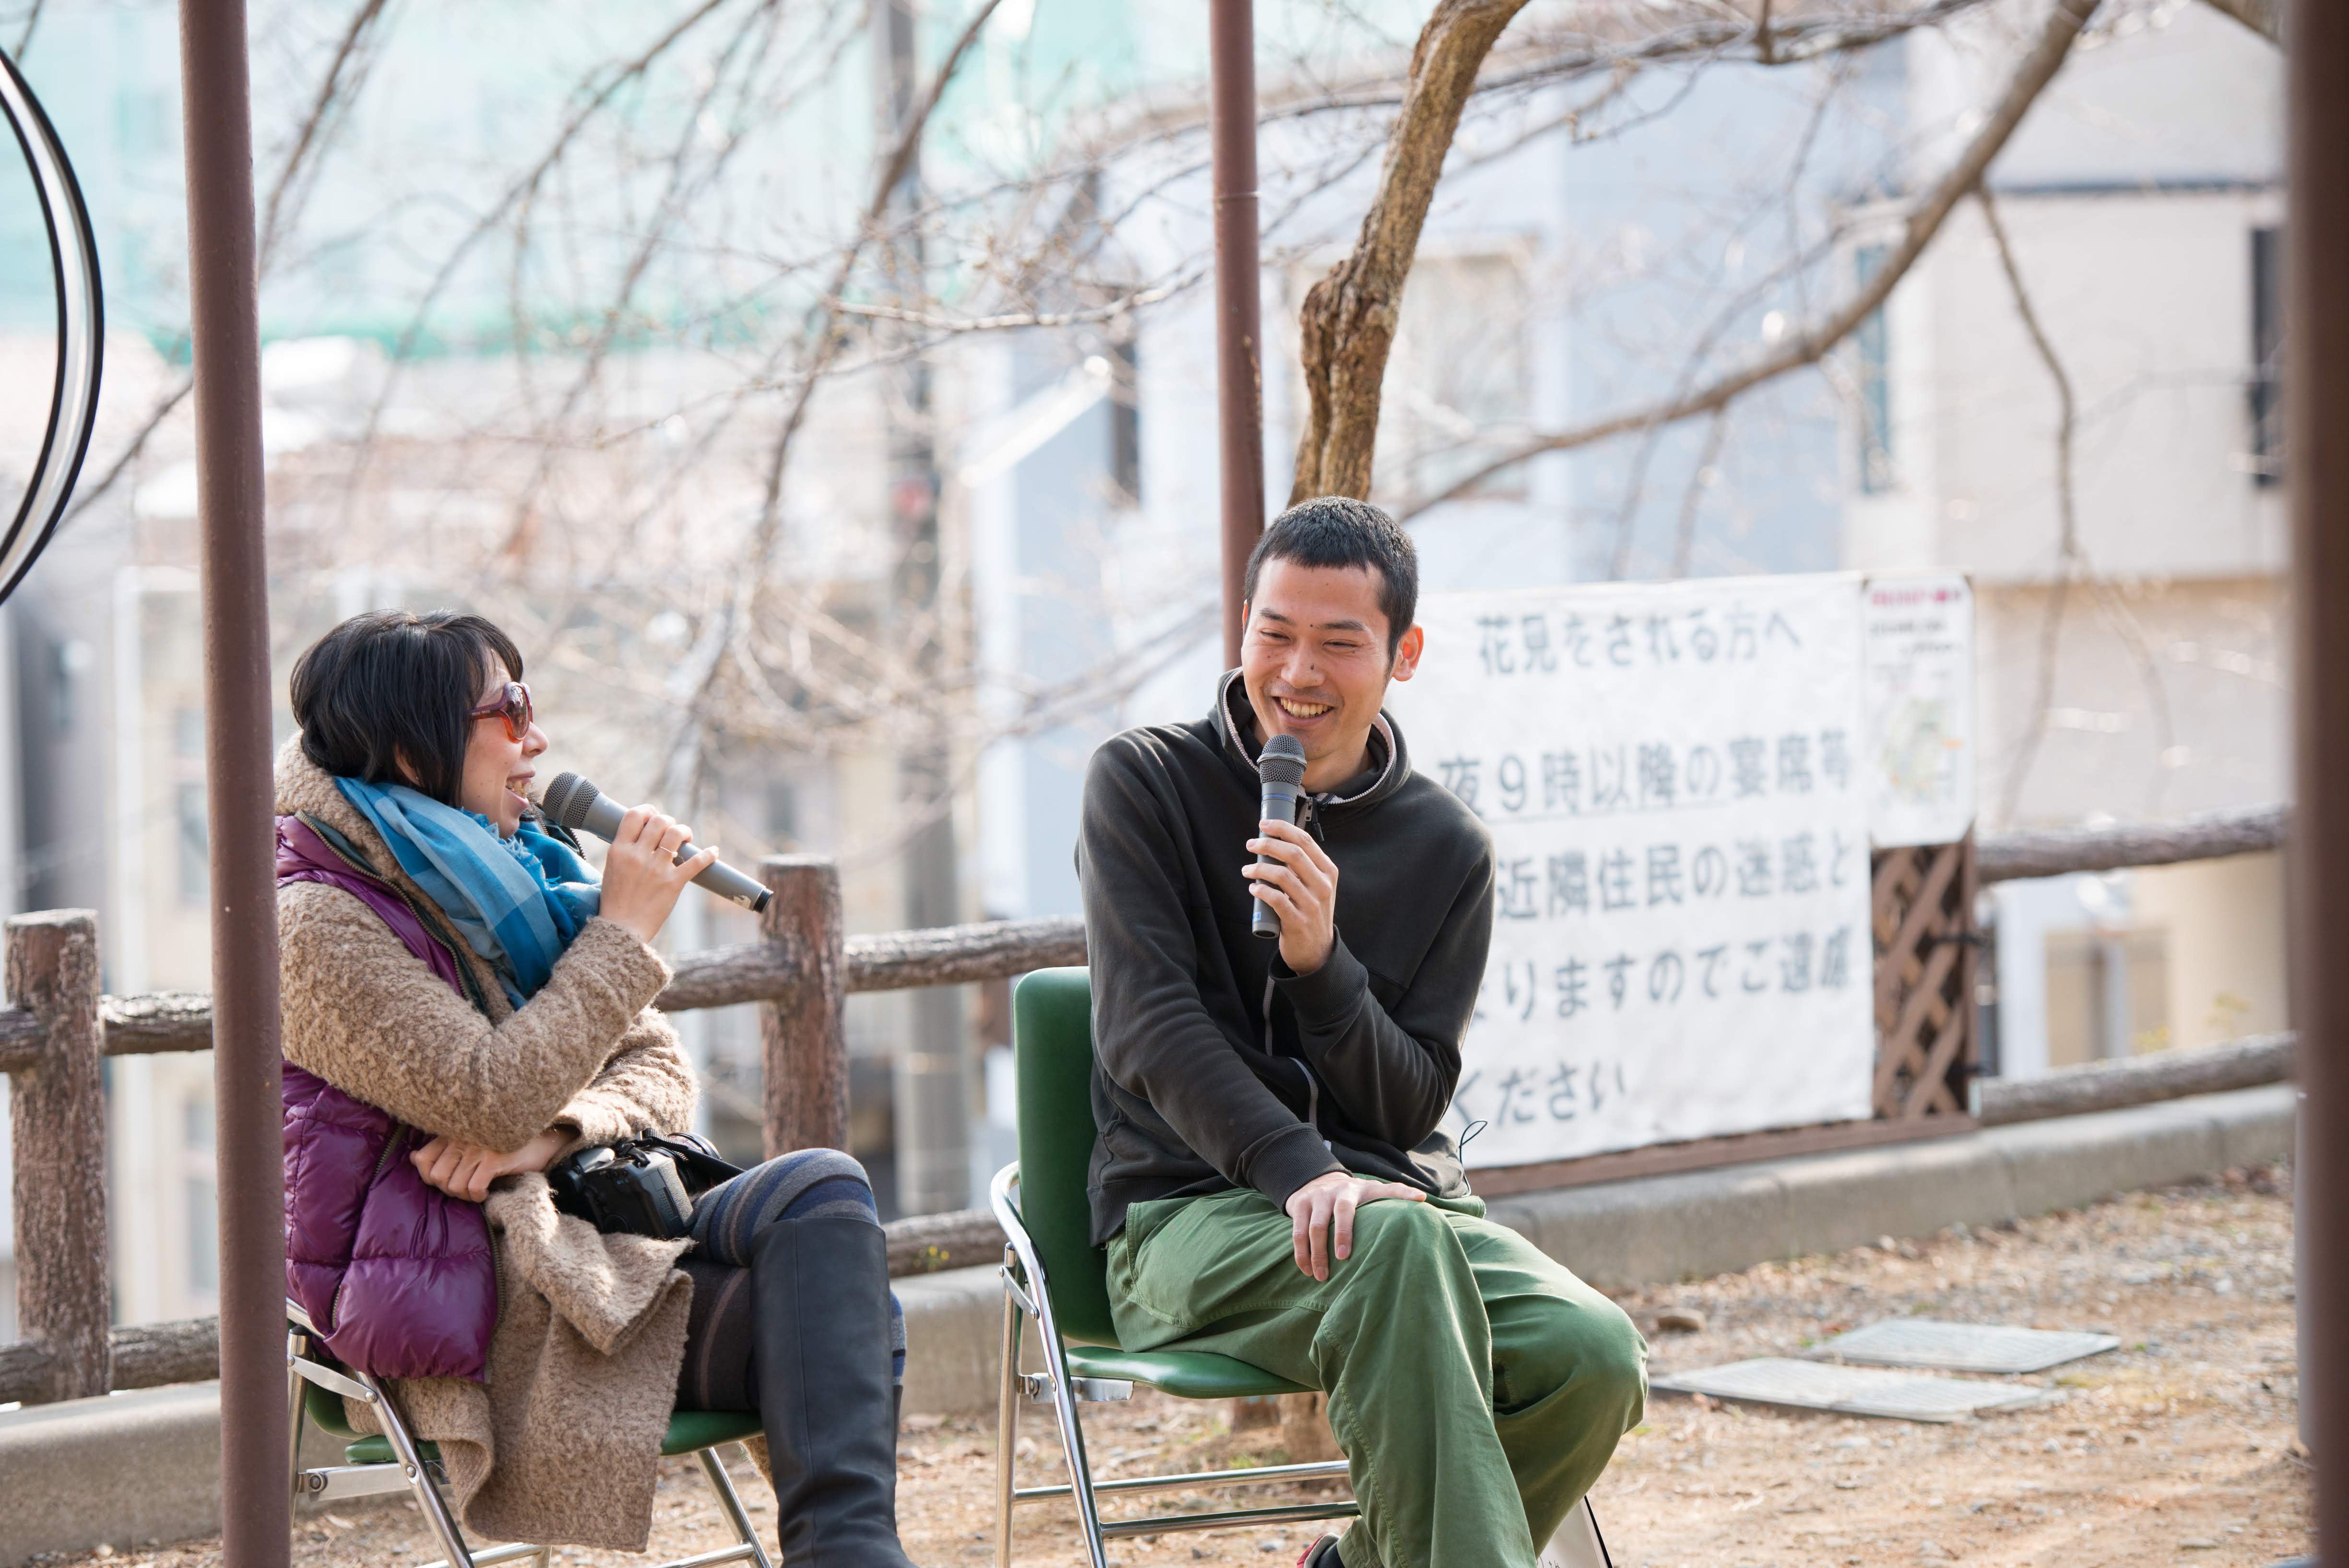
x=393, y=684
x=1340, y=531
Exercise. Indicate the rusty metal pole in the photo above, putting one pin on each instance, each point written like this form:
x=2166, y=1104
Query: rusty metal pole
x=1239, y=336
x=256, y=1505
x=2316, y=410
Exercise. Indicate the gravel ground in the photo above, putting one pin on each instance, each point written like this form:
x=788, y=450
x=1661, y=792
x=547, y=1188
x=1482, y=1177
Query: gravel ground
x=2180, y=1448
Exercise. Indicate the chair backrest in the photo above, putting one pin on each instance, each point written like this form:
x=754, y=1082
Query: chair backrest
x=1052, y=1053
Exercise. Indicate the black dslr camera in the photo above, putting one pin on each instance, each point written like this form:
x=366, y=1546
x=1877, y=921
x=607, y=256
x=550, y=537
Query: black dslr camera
x=640, y=1186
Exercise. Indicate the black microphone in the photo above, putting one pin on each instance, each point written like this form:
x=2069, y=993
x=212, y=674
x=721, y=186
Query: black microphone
x=1282, y=769
x=583, y=808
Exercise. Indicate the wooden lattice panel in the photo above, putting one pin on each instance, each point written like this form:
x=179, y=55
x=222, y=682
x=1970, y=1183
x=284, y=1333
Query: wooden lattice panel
x=1926, y=953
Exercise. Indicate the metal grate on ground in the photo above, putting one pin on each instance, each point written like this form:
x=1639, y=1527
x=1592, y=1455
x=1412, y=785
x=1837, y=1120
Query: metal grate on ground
x=1850, y=1390
x=1961, y=1346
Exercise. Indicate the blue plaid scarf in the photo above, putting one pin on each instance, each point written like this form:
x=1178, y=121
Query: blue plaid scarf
x=518, y=901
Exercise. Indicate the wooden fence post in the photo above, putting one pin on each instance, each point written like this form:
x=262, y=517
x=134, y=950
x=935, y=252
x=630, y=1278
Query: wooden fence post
x=58, y=1114
x=804, y=1045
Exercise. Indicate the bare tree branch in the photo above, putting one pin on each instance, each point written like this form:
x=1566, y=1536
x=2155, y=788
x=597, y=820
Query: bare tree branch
x=1700, y=479
x=1348, y=324
x=1718, y=33
x=521, y=191
x=824, y=329
x=335, y=89
x=2073, y=563
x=330, y=91
x=676, y=194
x=1812, y=344
x=1123, y=306
x=2069, y=563
x=87, y=496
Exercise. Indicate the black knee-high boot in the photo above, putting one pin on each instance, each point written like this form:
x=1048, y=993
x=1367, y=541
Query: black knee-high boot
x=825, y=1396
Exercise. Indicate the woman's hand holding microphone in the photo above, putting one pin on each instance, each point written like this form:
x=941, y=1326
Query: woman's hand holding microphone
x=642, y=876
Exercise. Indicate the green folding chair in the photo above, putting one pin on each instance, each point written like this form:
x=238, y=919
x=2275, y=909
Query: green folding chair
x=1053, y=1273
x=397, y=1460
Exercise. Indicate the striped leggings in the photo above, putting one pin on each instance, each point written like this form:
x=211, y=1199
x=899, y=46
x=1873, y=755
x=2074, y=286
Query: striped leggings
x=808, y=1183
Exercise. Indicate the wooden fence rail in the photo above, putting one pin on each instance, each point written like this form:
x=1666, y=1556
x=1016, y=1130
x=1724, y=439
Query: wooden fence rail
x=2007, y=856
x=163, y=1020
x=57, y=1026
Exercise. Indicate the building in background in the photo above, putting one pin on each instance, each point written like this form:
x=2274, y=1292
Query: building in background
x=2142, y=676
x=2141, y=200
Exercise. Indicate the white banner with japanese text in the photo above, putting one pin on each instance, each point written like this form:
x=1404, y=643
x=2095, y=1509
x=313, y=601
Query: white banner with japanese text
x=1674, y=779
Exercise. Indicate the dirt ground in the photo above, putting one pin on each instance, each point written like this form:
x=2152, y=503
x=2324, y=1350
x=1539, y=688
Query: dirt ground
x=2180, y=1448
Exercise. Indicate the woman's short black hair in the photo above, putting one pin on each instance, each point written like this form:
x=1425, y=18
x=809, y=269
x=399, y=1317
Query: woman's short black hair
x=393, y=685
x=1340, y=531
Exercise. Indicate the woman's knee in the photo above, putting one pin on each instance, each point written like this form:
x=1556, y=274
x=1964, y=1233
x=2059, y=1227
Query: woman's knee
x=820, y=1181
x=806, y=1184
x=809, y=1165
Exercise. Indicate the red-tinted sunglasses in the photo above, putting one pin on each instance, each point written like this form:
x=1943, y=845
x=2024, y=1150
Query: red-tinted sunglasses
x=513, y=708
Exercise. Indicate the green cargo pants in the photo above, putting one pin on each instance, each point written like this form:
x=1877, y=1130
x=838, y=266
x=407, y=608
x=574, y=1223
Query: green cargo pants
x=1477, y=1387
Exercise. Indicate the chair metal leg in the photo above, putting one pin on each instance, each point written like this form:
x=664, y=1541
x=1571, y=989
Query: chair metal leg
x=420, y=1480
x=1025, y=1289
x=731, y=1502
x=1007, y=1420
x=1073, y=1443
x=295, y=1345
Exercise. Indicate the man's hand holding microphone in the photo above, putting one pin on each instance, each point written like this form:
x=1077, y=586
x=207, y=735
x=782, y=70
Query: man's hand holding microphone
x=1294, y=882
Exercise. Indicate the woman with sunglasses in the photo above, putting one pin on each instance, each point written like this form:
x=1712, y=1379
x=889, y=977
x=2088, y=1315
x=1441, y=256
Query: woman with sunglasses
x=465, y=1002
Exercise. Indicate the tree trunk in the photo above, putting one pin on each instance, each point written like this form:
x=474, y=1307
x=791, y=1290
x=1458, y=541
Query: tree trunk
x=1348, y=324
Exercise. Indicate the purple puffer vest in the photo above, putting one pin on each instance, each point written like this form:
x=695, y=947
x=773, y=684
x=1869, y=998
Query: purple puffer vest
x=397, y=1274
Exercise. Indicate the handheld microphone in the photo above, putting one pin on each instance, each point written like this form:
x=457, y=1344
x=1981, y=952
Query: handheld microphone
x=1282, y=769
x=583, y=808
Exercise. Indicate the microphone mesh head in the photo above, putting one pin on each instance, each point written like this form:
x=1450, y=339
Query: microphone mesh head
x=1283, y=762
x=568, y=800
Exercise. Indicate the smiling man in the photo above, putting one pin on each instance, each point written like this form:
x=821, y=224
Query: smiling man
x=1272, y=1178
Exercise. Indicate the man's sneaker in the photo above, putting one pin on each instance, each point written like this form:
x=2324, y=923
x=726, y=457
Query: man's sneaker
x=1322, y=1553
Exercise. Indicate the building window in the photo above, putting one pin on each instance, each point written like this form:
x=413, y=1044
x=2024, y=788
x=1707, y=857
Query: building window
x=1873, y=352
x=2267, y=357
x=195, y=845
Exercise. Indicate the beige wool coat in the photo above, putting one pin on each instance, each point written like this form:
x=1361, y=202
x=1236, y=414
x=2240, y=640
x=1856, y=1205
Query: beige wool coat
x=561, y=1446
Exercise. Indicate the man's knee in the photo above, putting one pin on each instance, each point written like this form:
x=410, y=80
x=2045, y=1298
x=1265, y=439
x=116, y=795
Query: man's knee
x=1613, y=1356
x=1588, y=1347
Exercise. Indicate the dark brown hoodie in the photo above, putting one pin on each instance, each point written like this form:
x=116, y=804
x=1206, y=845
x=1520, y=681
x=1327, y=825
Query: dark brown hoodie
x=1215, y=1066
